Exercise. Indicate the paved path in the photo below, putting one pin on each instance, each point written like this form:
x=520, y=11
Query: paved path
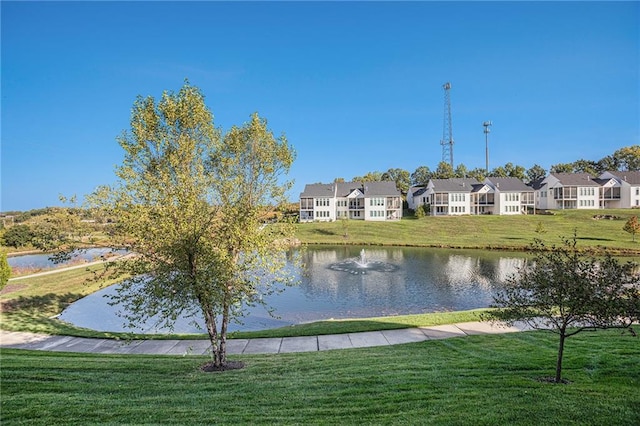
x=18, y=340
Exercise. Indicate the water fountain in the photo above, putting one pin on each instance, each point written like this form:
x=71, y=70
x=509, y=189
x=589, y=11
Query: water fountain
x=360, y=265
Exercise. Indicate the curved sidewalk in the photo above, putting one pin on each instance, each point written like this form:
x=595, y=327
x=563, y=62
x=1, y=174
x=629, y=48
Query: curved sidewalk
x=19, y=340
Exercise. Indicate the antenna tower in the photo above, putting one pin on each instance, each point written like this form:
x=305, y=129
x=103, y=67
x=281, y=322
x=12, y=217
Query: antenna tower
x=447, y=128
x=486, y=125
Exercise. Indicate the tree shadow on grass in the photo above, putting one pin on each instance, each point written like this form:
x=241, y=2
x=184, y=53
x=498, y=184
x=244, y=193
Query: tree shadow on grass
x=47, y=303
x=323, y=232
x=593, y=239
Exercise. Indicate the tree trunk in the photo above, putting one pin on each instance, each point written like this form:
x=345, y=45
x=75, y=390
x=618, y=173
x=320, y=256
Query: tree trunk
x=223, y=334
x=210, y=322
x=560, y=354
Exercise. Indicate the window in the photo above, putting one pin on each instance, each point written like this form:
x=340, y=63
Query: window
x=322, y=202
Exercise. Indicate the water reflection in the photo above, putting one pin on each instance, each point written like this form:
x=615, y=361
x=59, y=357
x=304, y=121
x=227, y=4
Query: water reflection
x=43, y=261
x=422, y=280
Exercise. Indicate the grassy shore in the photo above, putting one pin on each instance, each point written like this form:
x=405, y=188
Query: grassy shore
x=481, y=232
x=476, y=380
x=32, y=304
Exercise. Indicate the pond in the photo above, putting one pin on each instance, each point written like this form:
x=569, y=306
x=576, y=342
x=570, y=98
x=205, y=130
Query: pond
x=349, y=282
x=41, y=261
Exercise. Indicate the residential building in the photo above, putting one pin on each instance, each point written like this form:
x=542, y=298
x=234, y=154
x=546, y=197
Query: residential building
x=620, y=190
x=416, y=196
x=511, y=196
x=450, y=197
x=457, y=196
x=568, y=191
x=373, y=201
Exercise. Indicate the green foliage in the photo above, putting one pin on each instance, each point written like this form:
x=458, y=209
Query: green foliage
x=632, y=226
x=535, y=172
x=628, y=158
x=18, y=236
x=567, y=291
x=444, y=171
x=5, y=270
x=478, y=174
x=400, y=177
x=561, y=168
x=422, y=211
x=461, y=171
x=421, y=176
x=509, y=170
x=191, y=204
x=369, y=177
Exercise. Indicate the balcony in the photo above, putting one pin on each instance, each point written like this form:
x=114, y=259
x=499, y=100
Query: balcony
x=610, y=194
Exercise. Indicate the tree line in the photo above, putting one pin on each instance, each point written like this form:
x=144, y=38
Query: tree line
x=626, y=158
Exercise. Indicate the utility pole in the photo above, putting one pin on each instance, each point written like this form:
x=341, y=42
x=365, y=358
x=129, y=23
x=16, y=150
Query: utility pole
x=447, y=128
x=486, y=125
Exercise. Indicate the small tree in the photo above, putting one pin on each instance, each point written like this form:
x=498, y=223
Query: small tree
x=5, y=270
x=191, y=204
x=540, y=228
x=422, y=211
x=632, y=226
x=566, y=291
x=345, y=227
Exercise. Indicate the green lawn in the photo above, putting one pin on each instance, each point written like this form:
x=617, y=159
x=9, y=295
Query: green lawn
x=485, y=232
x=477, y=380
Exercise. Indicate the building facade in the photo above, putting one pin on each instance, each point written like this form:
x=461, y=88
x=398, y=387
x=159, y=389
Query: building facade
x=372, y=201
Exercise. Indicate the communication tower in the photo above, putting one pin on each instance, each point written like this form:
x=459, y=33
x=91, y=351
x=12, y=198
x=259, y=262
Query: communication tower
x=447, y=128
x=486, y=125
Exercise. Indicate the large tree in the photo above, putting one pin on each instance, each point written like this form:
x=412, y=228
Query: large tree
x=369, y=177
x=536, y=172
x=400, y=176
x=561, y=168
x=479, y=174
x=190, y=204
x=628, y=158
x=421, y=176
x=461, y=171
x=443, y=171
x=566, y=291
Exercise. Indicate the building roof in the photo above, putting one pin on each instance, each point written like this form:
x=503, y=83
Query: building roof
x=575, y=179
x=507, y=184
x=538, y=183
x=632, y=178
x=419, y=191
x=453, y=185
x=342, y=189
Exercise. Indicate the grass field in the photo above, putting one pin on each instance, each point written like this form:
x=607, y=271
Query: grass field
x=483, y=232
x=477, y=380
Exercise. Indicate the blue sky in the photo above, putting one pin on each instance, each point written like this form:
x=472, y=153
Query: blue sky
x=356, y=87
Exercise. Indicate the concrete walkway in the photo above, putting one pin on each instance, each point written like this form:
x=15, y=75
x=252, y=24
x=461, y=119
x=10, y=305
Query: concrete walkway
x=18, y=340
